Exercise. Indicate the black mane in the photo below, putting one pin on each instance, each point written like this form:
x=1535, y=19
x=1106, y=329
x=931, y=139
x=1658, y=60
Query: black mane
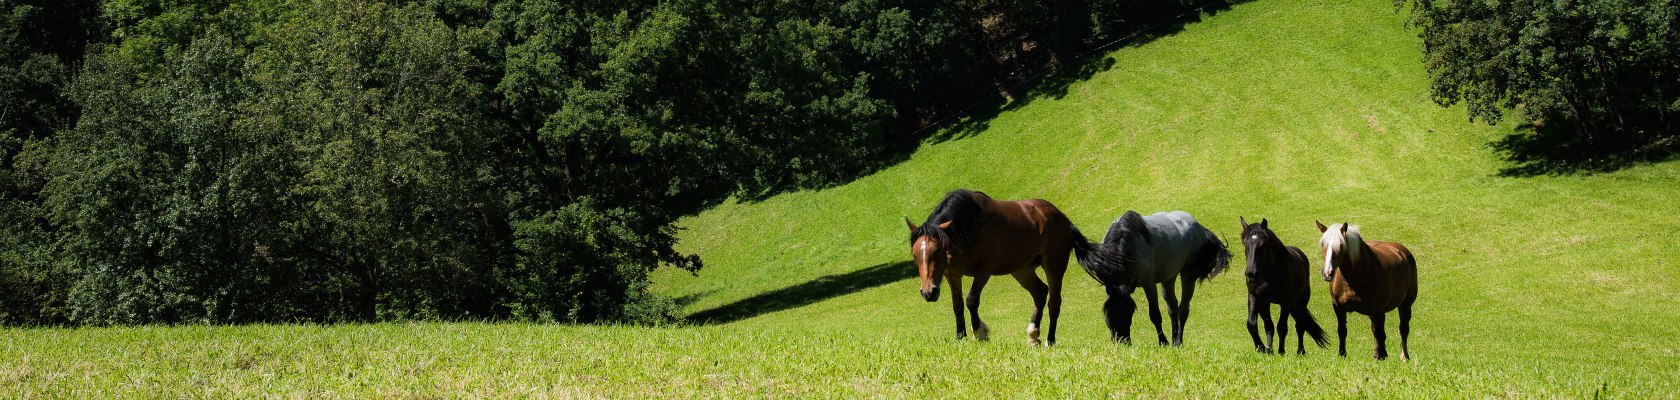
x=1122, y=232
x=959, y=206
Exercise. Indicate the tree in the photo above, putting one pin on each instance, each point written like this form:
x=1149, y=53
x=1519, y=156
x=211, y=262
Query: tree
x=399, y=205
x=1599, y=73
x=41, y=43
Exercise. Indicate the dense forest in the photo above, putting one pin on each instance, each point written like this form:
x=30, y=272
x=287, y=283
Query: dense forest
x=233, y=161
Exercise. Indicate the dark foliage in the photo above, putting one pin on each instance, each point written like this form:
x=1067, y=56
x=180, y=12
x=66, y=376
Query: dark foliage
x=241, y=161
x=1595, y=80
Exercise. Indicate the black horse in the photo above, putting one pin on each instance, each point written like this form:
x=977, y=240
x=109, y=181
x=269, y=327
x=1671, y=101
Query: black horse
x=1277, y=274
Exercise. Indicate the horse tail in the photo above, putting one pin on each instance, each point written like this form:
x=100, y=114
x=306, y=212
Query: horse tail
x=1105, y=265
x=1304, y=319
x=1211, y=259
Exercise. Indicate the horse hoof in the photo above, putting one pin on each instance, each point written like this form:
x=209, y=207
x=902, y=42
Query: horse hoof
x=983, y=334
x=1032, y=333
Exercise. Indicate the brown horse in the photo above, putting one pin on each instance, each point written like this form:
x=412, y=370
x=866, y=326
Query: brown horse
x=971, y=234
x=1370, y=278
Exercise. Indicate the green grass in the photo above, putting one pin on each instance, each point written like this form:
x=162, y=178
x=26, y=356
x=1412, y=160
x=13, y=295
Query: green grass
x=1286, y=109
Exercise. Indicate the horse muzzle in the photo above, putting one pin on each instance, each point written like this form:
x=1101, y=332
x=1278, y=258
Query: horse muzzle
x=931, y=295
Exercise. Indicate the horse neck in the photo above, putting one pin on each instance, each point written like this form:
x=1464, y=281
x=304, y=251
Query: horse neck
x=1367, y=261
x=1278, y=255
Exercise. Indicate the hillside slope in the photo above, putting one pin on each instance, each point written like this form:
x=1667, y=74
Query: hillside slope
x=1290, y=110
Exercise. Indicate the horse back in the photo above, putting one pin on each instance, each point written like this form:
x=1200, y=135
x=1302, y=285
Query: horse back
x=1173, y=239
x=1019, y=231
x=1398, y=266
x=1391, y=281
x=1299, y=270
x=1285, y=279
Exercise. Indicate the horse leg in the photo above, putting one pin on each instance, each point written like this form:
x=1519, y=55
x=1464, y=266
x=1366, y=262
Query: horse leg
x=955, y=282
x=1054, y=275
x=1266, y=320
x=981, y=331
x=1300, y=329
x=1341, y=332
x=1155, y=313
x=1184, y=310
x=1406, y=327
x=1254, y=330
x=1038, y=290
x=1283, y=329
x=1379, y=335
x=1117, y=312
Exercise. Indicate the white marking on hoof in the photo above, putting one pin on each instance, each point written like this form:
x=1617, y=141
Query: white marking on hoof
x=1032, y=334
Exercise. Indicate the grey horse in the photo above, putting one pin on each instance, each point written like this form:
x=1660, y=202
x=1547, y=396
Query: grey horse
x=1152, y=251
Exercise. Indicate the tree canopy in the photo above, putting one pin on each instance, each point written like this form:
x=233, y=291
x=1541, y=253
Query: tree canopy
x=238, y=161
x=1596, y=80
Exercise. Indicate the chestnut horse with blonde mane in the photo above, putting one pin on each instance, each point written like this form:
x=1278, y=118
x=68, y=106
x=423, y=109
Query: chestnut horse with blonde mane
x=1371, y=278
x=971, y=234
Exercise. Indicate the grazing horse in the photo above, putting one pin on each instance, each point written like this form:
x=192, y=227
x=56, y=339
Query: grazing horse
x=1370, y=278
x=1277, y=274
x=1150, y=251
x=971, y=234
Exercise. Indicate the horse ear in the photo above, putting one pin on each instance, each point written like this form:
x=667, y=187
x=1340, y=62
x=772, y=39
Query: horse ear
x=1344, y=228
x=1263, y=223
x=911, y=225
x=946, y=224
x=1321, y=227
x=1242, y=221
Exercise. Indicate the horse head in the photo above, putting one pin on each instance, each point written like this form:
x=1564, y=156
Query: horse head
x=930, y=247
x=1255, y=237
x=1337, y=247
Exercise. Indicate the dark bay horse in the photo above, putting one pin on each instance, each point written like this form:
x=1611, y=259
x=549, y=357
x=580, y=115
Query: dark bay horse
x=1149, y=251
x=1277, y=274
x=1370, y=278
x=971, y=234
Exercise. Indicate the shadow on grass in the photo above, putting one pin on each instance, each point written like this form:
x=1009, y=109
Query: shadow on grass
x=1538, y=149
x=990, y=95
x=1054, y=82
x=803, y=294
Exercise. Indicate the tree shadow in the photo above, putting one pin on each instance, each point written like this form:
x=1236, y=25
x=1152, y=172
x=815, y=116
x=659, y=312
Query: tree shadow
x=803, y=294
x=1538, y=149
x=1054, y=81
x=987, y=96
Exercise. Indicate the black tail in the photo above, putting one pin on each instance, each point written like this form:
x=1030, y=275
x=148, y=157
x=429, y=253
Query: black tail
x=1105, y=265
x=1210, y=260
x=1304, y=319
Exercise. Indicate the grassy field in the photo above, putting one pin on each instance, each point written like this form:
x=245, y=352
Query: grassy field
x=1285, y=109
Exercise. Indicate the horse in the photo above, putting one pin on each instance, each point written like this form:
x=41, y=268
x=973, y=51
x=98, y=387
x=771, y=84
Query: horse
x=1149, y=251
x=1371, y=278
x=1277, y=274
x=971, y=234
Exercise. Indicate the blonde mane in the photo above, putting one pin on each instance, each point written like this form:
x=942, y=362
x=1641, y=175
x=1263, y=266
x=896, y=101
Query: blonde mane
x=1349, y=243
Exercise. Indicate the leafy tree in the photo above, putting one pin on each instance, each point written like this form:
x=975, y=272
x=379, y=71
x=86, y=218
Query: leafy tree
x=263, y=160
x=41, y=43
x=1599, y=72
x=164, y=206
x=396, y=179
